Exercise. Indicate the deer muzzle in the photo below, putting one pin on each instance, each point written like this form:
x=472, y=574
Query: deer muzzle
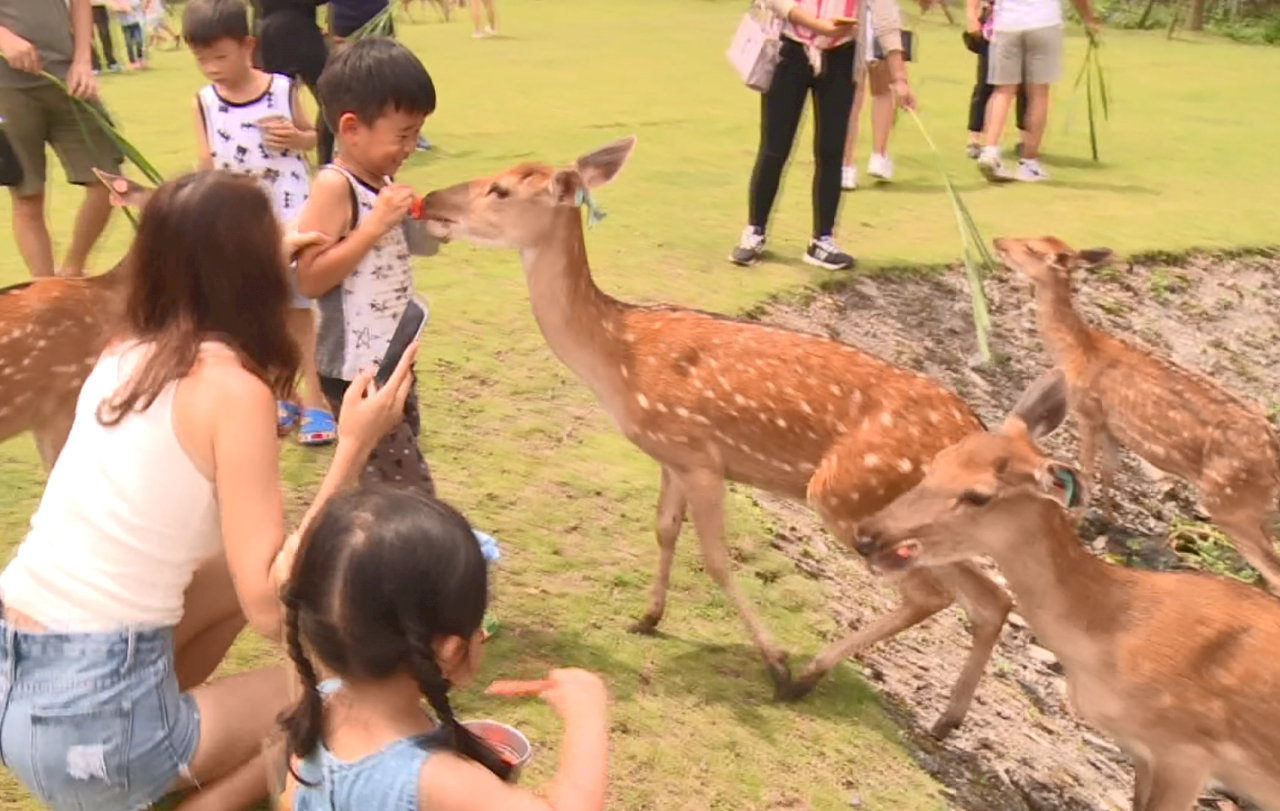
x=885, y=553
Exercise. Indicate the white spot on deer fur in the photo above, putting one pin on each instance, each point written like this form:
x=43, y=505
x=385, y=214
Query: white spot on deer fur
x=781, y=422
x=906, y=465
x=625, y=373
x=805, y=408
x=642, y=400
x=807, y=467
x=772, y=388
x=886, y=419
x=835, y=389
x=713, y=363
x=698, y=418
x=681, y=411
x=871, y=460
x=662, y=408
x=809, y=433
x=933, y=418
x=739, y=399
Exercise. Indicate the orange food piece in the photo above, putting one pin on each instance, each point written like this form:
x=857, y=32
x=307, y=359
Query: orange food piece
x=518, y=688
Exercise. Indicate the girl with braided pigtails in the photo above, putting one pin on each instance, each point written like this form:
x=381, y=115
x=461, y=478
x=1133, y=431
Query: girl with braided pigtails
x=383, y=607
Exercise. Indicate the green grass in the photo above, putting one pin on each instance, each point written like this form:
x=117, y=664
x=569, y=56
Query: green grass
x=521, y=447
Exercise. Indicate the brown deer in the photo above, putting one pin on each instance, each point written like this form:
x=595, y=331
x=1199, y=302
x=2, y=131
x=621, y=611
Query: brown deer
x=1182, y=669
x=1176, y=420
x=713, y=399
x=51, y=333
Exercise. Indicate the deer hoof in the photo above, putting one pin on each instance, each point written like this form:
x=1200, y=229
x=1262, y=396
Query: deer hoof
x=796, y=689
x=944, y=727
x=645, y=626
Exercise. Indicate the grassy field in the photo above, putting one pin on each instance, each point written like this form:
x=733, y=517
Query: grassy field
x=521, y=447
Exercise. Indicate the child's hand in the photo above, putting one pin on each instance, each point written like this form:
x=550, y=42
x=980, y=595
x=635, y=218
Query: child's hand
x=573, y=693
x=282, y=134
x=392, y=206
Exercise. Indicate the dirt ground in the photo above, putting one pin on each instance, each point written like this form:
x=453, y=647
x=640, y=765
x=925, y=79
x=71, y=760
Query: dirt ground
x=1021, y=748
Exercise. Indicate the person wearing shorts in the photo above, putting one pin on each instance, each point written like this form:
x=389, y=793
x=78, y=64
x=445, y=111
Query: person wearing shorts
x=1026, y=49
x=38, y=37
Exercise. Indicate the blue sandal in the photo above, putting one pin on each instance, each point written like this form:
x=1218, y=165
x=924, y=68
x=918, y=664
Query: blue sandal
x=317, y=427
x=287, y=415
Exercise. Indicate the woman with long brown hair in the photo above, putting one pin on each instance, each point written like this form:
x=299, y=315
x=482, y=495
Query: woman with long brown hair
x=156, y=537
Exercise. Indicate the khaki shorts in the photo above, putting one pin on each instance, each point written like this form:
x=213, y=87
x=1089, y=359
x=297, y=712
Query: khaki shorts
x=35, y=116
x=1026, y=57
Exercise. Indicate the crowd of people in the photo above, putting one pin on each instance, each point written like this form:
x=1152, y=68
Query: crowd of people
x=161, y=532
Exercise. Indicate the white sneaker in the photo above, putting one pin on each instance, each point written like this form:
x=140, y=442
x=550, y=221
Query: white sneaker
x=1030, y=171
x=849, y=178
x=989, y=164
x=880, y=167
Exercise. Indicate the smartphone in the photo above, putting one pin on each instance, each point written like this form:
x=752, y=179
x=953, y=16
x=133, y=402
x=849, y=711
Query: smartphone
x=845, y=20
x=407, y=331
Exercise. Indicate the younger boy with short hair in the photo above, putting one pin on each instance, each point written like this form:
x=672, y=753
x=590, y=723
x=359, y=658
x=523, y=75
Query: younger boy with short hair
x=376, y=96
x=252, y=122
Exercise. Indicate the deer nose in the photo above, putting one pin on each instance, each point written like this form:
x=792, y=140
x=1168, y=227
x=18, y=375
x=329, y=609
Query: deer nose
x=866, y=544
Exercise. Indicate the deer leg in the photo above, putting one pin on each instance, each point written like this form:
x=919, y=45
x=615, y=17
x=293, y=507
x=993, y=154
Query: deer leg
x=671, y=512
x=52, y=435
x=1110, y=463
x=987, y=606
x=923, y=595
x=1175, y=783
x=1141, y=783
x=705, y=492
x=1089, y=437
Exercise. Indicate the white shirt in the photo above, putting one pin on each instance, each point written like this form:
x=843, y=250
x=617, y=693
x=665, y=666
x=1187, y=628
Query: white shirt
x=1025, y=15
x=124, y=522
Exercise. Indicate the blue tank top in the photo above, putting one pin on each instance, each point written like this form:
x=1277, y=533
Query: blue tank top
x=386, y=780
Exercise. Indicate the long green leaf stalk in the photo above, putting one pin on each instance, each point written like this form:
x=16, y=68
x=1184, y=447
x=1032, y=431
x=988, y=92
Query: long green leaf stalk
x=380, y=26
x=1092, y=73
x=974, y=246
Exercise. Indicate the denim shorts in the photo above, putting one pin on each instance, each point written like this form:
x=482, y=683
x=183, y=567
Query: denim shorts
x=94, y=720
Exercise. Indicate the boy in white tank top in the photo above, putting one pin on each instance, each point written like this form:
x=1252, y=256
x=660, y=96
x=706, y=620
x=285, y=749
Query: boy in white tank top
x=376, y=96
x=252, y=122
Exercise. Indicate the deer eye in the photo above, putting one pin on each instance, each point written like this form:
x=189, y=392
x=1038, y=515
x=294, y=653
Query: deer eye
x=499, y=192
x=974, y=499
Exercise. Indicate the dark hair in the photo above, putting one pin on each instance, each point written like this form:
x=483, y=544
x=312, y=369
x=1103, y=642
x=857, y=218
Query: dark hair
x=370, y=77
x=206, y=264
x=380, y=574
x=204, y=22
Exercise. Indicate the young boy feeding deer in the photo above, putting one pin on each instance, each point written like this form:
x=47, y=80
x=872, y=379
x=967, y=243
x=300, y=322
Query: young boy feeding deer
x=1182, y=669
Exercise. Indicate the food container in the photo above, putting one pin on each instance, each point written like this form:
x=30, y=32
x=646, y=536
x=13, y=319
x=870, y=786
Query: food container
x=510, y=743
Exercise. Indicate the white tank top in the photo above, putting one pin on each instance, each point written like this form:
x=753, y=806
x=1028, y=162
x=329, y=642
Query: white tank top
x=125, y=520
x=235, y=141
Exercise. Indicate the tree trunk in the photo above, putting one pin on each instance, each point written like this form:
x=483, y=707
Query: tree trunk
x=1196, y=22
x=1146, y=15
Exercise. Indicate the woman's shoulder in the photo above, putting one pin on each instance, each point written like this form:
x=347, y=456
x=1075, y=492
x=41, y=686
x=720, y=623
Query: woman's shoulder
x=219, y=371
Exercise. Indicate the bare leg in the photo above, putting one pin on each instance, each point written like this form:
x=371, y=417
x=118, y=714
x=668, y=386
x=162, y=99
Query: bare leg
x=705, y=491
x=91, y=219
x=32, y=234
x=302, y=326
x=671, y=513
x=1037, y=116
x=882, y=107
x=211, y=621
x=475, y=18
x=492, y=15
x=997, y=113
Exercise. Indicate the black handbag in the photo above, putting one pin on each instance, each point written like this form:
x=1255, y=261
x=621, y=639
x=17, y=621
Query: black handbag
x=10, y=169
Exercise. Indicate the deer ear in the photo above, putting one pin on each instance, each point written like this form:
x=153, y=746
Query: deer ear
x=1091, y=258
x=1042, y=408
x=1062, y=483
x=601, y=166
x=565, y=187
x=124, y=192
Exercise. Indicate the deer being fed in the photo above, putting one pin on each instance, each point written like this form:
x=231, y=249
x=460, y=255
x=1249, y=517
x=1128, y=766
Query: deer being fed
x=1177, y=420
x=1182, y=669
x=713, y=399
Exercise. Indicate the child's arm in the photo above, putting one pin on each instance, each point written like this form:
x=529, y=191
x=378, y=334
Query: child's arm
x=203, y=151
x=451, y=783
x=328, y=211
x=306, y=140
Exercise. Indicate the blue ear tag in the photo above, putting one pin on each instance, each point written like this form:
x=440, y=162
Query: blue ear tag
x=594, y=213
x=1068, y=483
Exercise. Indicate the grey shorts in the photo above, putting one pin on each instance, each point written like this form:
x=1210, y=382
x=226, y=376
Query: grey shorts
x=1026, y=57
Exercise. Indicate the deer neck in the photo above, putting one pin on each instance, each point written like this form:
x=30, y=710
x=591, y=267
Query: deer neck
x=581, y=324
x=1068, y=596
x=1065, y=334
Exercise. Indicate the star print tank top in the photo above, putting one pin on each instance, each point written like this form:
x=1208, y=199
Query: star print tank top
x=235, y=139
x=358, y=317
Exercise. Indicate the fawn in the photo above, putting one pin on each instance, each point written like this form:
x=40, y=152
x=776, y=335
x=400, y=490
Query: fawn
x=1178, y=421
x=51, y=333
x=1182, y=669
x=713, y=399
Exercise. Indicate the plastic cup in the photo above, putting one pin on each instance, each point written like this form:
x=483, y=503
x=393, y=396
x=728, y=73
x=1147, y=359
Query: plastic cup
x=510, y=743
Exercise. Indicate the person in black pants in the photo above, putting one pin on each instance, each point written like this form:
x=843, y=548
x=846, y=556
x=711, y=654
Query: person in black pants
x=290, y=42
x=980, y=45
x=102, y=23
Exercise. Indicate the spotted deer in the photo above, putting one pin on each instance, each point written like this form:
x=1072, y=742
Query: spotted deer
x=1182, y=669
x=51, y=333
x=713, y=399
x=1176, y=420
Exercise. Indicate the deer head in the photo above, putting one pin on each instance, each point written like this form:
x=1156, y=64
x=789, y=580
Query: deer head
x=1044, y=259
x=514, y=209
x=124, y=192
x=974, y=494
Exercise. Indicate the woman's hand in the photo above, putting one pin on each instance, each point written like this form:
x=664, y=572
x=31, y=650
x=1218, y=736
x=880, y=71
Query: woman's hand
x=369, y=413
x=293, y=241
x=902, y=91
